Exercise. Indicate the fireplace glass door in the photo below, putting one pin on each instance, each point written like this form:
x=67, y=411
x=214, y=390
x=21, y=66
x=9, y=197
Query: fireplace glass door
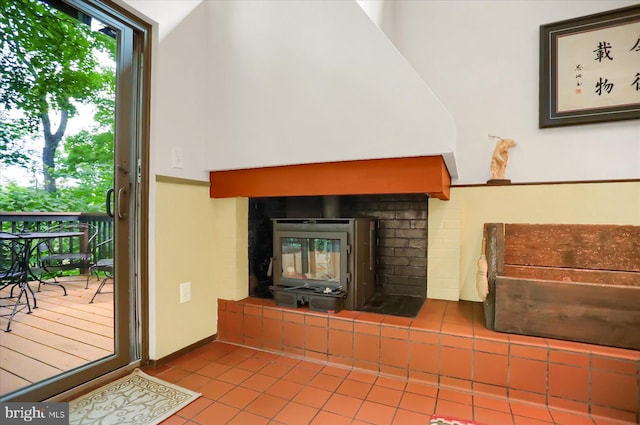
x=312, y=259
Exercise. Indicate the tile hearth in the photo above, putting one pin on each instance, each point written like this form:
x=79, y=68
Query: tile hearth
x=448, y=346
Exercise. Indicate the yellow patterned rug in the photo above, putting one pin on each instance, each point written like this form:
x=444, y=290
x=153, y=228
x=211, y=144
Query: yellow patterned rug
x=137, y=399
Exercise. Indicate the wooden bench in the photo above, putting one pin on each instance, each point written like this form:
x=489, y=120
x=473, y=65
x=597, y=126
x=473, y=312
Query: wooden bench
x=565, y=281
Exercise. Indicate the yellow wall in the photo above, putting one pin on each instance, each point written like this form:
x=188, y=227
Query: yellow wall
x=202, y=241
x=470, y=207
x=205, y=241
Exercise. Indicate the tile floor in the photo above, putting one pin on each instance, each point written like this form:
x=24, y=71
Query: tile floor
x=246, y=386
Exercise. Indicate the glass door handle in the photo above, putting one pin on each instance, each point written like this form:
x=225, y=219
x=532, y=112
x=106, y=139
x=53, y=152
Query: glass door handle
x=121, y=193
x=108, y=202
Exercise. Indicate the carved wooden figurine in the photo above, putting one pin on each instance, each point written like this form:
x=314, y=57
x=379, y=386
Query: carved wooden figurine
x=500, y=158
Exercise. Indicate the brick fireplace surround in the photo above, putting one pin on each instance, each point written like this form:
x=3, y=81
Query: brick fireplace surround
x=448, y=346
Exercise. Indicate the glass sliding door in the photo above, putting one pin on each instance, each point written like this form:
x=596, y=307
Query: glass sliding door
x=97, y=328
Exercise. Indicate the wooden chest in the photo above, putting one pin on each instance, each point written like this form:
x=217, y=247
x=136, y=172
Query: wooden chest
x=565, y=281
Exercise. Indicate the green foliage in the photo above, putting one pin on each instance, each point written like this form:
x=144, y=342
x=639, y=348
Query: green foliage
x=49, y=64
x=18, y=198
x=49, y=59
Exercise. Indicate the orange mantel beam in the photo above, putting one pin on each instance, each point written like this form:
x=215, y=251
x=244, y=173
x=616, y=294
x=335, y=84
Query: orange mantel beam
x=423, y=174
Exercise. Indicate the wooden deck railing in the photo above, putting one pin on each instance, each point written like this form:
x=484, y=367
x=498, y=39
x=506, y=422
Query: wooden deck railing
x=39, y=221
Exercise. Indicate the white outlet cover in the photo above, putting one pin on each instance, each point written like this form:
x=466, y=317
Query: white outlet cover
x=185, y=292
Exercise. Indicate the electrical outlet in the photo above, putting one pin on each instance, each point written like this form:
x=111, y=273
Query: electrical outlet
x=177, y=158
x=185, y=292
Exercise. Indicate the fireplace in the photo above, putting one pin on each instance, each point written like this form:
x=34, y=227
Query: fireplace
x=401, y=243
x=325, y=263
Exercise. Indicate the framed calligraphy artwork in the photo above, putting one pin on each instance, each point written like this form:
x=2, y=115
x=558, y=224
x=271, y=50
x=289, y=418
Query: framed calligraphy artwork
x=590, y=69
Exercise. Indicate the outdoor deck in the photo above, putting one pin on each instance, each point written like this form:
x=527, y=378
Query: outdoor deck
x=61, y=334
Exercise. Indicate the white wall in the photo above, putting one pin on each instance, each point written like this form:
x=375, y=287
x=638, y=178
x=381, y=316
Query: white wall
x=481, y=60
x=180, y=75
x=313, y=81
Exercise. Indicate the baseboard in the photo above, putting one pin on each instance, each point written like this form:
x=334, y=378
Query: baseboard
x=182, y=351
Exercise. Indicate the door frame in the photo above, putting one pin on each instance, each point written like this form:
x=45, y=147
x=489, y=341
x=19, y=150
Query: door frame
x=131, y=175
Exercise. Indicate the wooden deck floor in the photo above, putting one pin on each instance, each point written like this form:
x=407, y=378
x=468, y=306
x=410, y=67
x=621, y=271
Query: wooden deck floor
x=61, y=334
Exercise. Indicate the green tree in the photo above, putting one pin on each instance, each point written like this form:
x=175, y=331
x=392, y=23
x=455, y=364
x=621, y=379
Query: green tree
x=49, y=63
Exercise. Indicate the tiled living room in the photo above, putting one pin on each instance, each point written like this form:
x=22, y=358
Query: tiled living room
x=288, y=366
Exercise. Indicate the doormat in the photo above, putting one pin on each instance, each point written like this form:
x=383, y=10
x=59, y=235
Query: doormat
x=447, y=420
x=136, y=399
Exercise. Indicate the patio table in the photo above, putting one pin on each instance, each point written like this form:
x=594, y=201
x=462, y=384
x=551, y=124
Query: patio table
x=28, y=238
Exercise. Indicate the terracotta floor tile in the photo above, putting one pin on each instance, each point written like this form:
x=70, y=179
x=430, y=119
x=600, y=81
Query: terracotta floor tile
x=366, y=347
x=193, y=381
x=627, y=417
x=316, y=338
x=232, y=359
x=488, y=346
x=239, y=397
x=451, y=408
x=246, y=418
x=328, y=418
x=394, y=352
x=335, y=371
x=276, y=369
x=213, y=370
x=173, y=374
x=490, y=390
x=523, y=420
x=296, y=414
x=385, y=395
x=258, y=382
x=375, y=413
x=393, y=383
x=307, y=365
x=325, y=382
x=284, y=389
x=343, y=405
x=529, y=352
x=266, y=405
x=457, y=396
x=356, y=375
x=527, y=397
x=235, y=376
x=190, y=364
x=490, y=368
x=354, y=388
x=174, y=420
x=560, y=403
x=569, y=382
x=614, y=390
x=418, y=403
x=528, y=410
x=340, y=342
x=528, y=375
x=195, y=407
x=499, y=404
x=569, y=418
x=406, y=417
x=456, y=362
x=300, y=375
x=489, y=416
x=217, y=413
x=215, y=389
x=421, y=389
x=313, y=397
x=423, y=357
x=253, y=364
